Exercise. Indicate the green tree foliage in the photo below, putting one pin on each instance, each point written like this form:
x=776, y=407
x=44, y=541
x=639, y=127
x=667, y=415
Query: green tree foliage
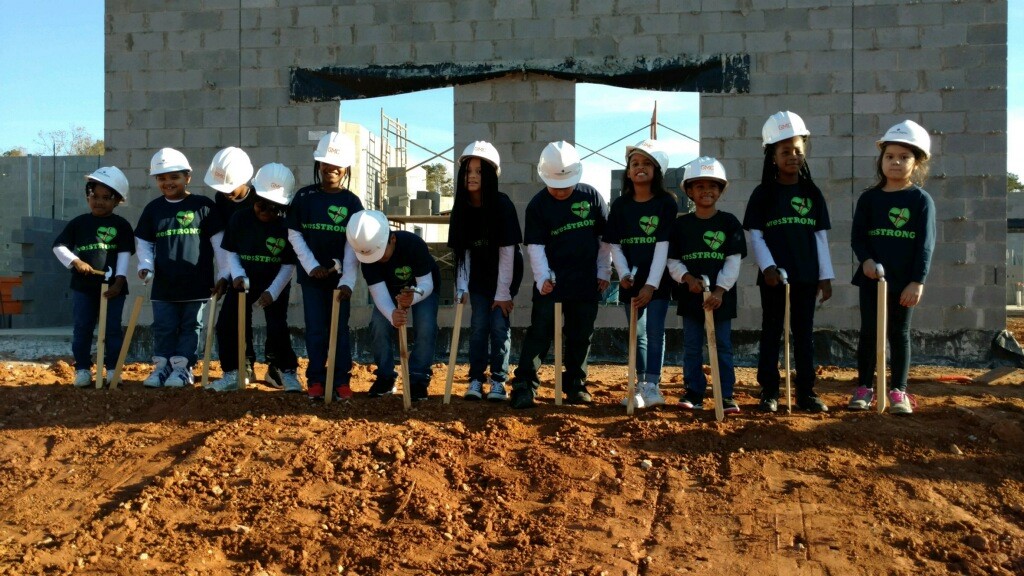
x=1013, y=184
x=439, y=179
x=75, y=141
x=16, y=151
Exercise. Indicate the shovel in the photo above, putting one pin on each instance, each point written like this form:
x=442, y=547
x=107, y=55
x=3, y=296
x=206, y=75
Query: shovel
x=455, y=347
x=785, y=340
x=101, y=339
x=882, y=318
x=716, y=375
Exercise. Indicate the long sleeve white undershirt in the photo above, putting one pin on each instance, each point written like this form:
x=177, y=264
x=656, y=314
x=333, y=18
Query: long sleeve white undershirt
x=604, y=261
x=762, y=255
x=220, y=255
x=619, y=260
x=462, y=275
x=506, y=265
x=539, y=264
x=386, y=305
x=726, y=278
x=284, y=276
x=302, y=251
x=825, y=271
x=144, y=252
x=349, y=268
x=658, y=264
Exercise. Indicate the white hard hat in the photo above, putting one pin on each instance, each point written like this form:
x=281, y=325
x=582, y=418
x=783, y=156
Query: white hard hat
x=560, y=165
x=705, y=167
x=782, y=126
x=168, y=160
x=275, y=182
x=484, y=151
x=111, y=177
x=908, y=132
x=335, y=149
x=368, y=232
x=229, y=169
x=652, y=149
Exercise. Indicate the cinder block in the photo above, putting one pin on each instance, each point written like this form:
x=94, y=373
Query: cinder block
x=470, y=51
x=494, y=30
x=576, y=27
x=785, y=19
x=595, y=7
x=514, y=9
x=432, y=52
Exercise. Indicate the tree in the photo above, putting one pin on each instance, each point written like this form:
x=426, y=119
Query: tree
x=16, y=151
x=1013, y=183
x=75, y=141
x=439, y=179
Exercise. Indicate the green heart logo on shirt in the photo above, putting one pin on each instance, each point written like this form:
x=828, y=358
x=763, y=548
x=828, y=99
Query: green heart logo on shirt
x=648, y=224
x=801, y=205
x=899, y=216
x=403, y=273
x=275, y=245
x=185, y=217
x=714, y=239
x=337, y=213
x=105, y=234
x=581, y=209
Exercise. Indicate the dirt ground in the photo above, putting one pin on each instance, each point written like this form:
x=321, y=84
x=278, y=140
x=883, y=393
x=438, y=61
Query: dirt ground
x=259, y=482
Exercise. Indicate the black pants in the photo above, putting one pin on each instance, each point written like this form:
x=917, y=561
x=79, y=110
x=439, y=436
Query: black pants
x=897, y=332
x=578, y=328
x=278, y=348
x=801, y=320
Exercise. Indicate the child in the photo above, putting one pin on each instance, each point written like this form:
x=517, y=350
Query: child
x=484, y=236
x=402, y=277
x=639, y=225
x=788, y=222
x=258, y=250
x=564, y=224
x=317, y=220
x=90, y=245
x=706, y=242
x=893, y=225
x=176, y=238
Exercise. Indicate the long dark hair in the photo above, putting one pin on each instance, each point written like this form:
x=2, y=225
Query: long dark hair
x=460, y=229
x=657, y=183
x=770, y=172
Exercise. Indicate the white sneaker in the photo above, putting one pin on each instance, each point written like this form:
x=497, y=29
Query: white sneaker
x=475, y=391
x=291, y=381
x=651, y=394
x=180, y=376
x=83, y=378
x=161, y=370
x=638, y=399
x=228, y=383
x=497, y=393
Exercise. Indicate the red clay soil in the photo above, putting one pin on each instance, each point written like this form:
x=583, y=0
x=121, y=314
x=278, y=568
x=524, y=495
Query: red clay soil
x=259, y=482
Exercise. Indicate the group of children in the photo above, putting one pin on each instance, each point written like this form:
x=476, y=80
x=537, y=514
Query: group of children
x=259, y=228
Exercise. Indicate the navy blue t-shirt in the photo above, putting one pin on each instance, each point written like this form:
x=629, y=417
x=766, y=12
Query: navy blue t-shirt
x=702, y=245
x=182, y=254
x=789, y=215
x=262, y=247
x=227, y=207
x=322, y=218
x=483, y=270
x=410, y=259
x=96, y=241
x=897, y=230
x=636, y=227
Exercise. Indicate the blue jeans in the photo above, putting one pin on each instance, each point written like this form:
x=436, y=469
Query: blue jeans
x=316, y=308
x=650, y=340
x=421, y=355
x=176, y=328
x=85, y=312
x=693, y=356
x=489, y=327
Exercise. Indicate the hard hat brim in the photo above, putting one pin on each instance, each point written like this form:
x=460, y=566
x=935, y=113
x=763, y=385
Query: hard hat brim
x=881, y=145
x=566, y=182
x=630, y=150
x=372, y=257
x=224, y=188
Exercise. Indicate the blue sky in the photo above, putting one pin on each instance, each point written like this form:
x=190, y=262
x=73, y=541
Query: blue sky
x=53, y=79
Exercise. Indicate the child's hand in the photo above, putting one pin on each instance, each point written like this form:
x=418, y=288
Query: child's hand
x=693, y=283
x=602, y=285
x=643, y=298
x=81, y=267
x=116, y=288
x=344, y=293
x=237, y=283
x=399, y=317
x=546, y=288
x=505, y=305
x=772, y=277
x=220, y=287
x=404, y=299
x=714, y=301
x=626, y=283
x=825, y=289
x=319, y=273
x=869, y=270
x=264, y=300
x=911, y=295
x=144, y=273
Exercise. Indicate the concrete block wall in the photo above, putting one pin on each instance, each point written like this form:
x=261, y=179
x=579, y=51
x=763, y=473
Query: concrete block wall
x=201, y=75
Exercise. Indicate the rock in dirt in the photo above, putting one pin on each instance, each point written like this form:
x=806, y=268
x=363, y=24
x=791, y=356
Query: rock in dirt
x=1008, y=431
x=977, y=541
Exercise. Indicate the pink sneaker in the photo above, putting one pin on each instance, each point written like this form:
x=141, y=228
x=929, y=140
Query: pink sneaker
x=901, y=403
x=861, y=399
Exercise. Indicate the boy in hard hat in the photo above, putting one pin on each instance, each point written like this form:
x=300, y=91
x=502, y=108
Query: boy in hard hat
x=788, y=222
x=229, y=173
x=706, y=242
x=317, y=220
x=893, y=226
x=176, y=239
x=262, y=263
x=571, y=265
x=89, y=246
x=484, y=236
x=403, y=278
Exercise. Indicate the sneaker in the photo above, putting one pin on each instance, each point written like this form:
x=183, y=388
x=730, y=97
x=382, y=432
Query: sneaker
x=651, y=394
x=161, y=370
x=522, y=397
x=381, y=387
x=181, y=375
x=578, y=396
x=250, y=375
x=861, y=399
x=497, y=393
x=291, y=381
x=228, y=383
x=729, y=405
x=691, y=401
x=638, y=400
x=901, y=403
x=475, y=390
x=275, y=378
x=418, y=392
x=344, y=392
x=83, y=378
x=769, y=404
x=811, y=403
x=315, y=391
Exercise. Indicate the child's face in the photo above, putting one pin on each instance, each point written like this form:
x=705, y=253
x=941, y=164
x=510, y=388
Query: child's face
x=898, y=164
x=789, y=156
x=640, y=169
x=102, y=201
x=173, y=184
x=474, y=177
x=704, y=192
x=266, y=211
x=331, y=176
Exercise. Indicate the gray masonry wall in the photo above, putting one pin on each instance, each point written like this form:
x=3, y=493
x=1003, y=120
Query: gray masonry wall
x=203, y=74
